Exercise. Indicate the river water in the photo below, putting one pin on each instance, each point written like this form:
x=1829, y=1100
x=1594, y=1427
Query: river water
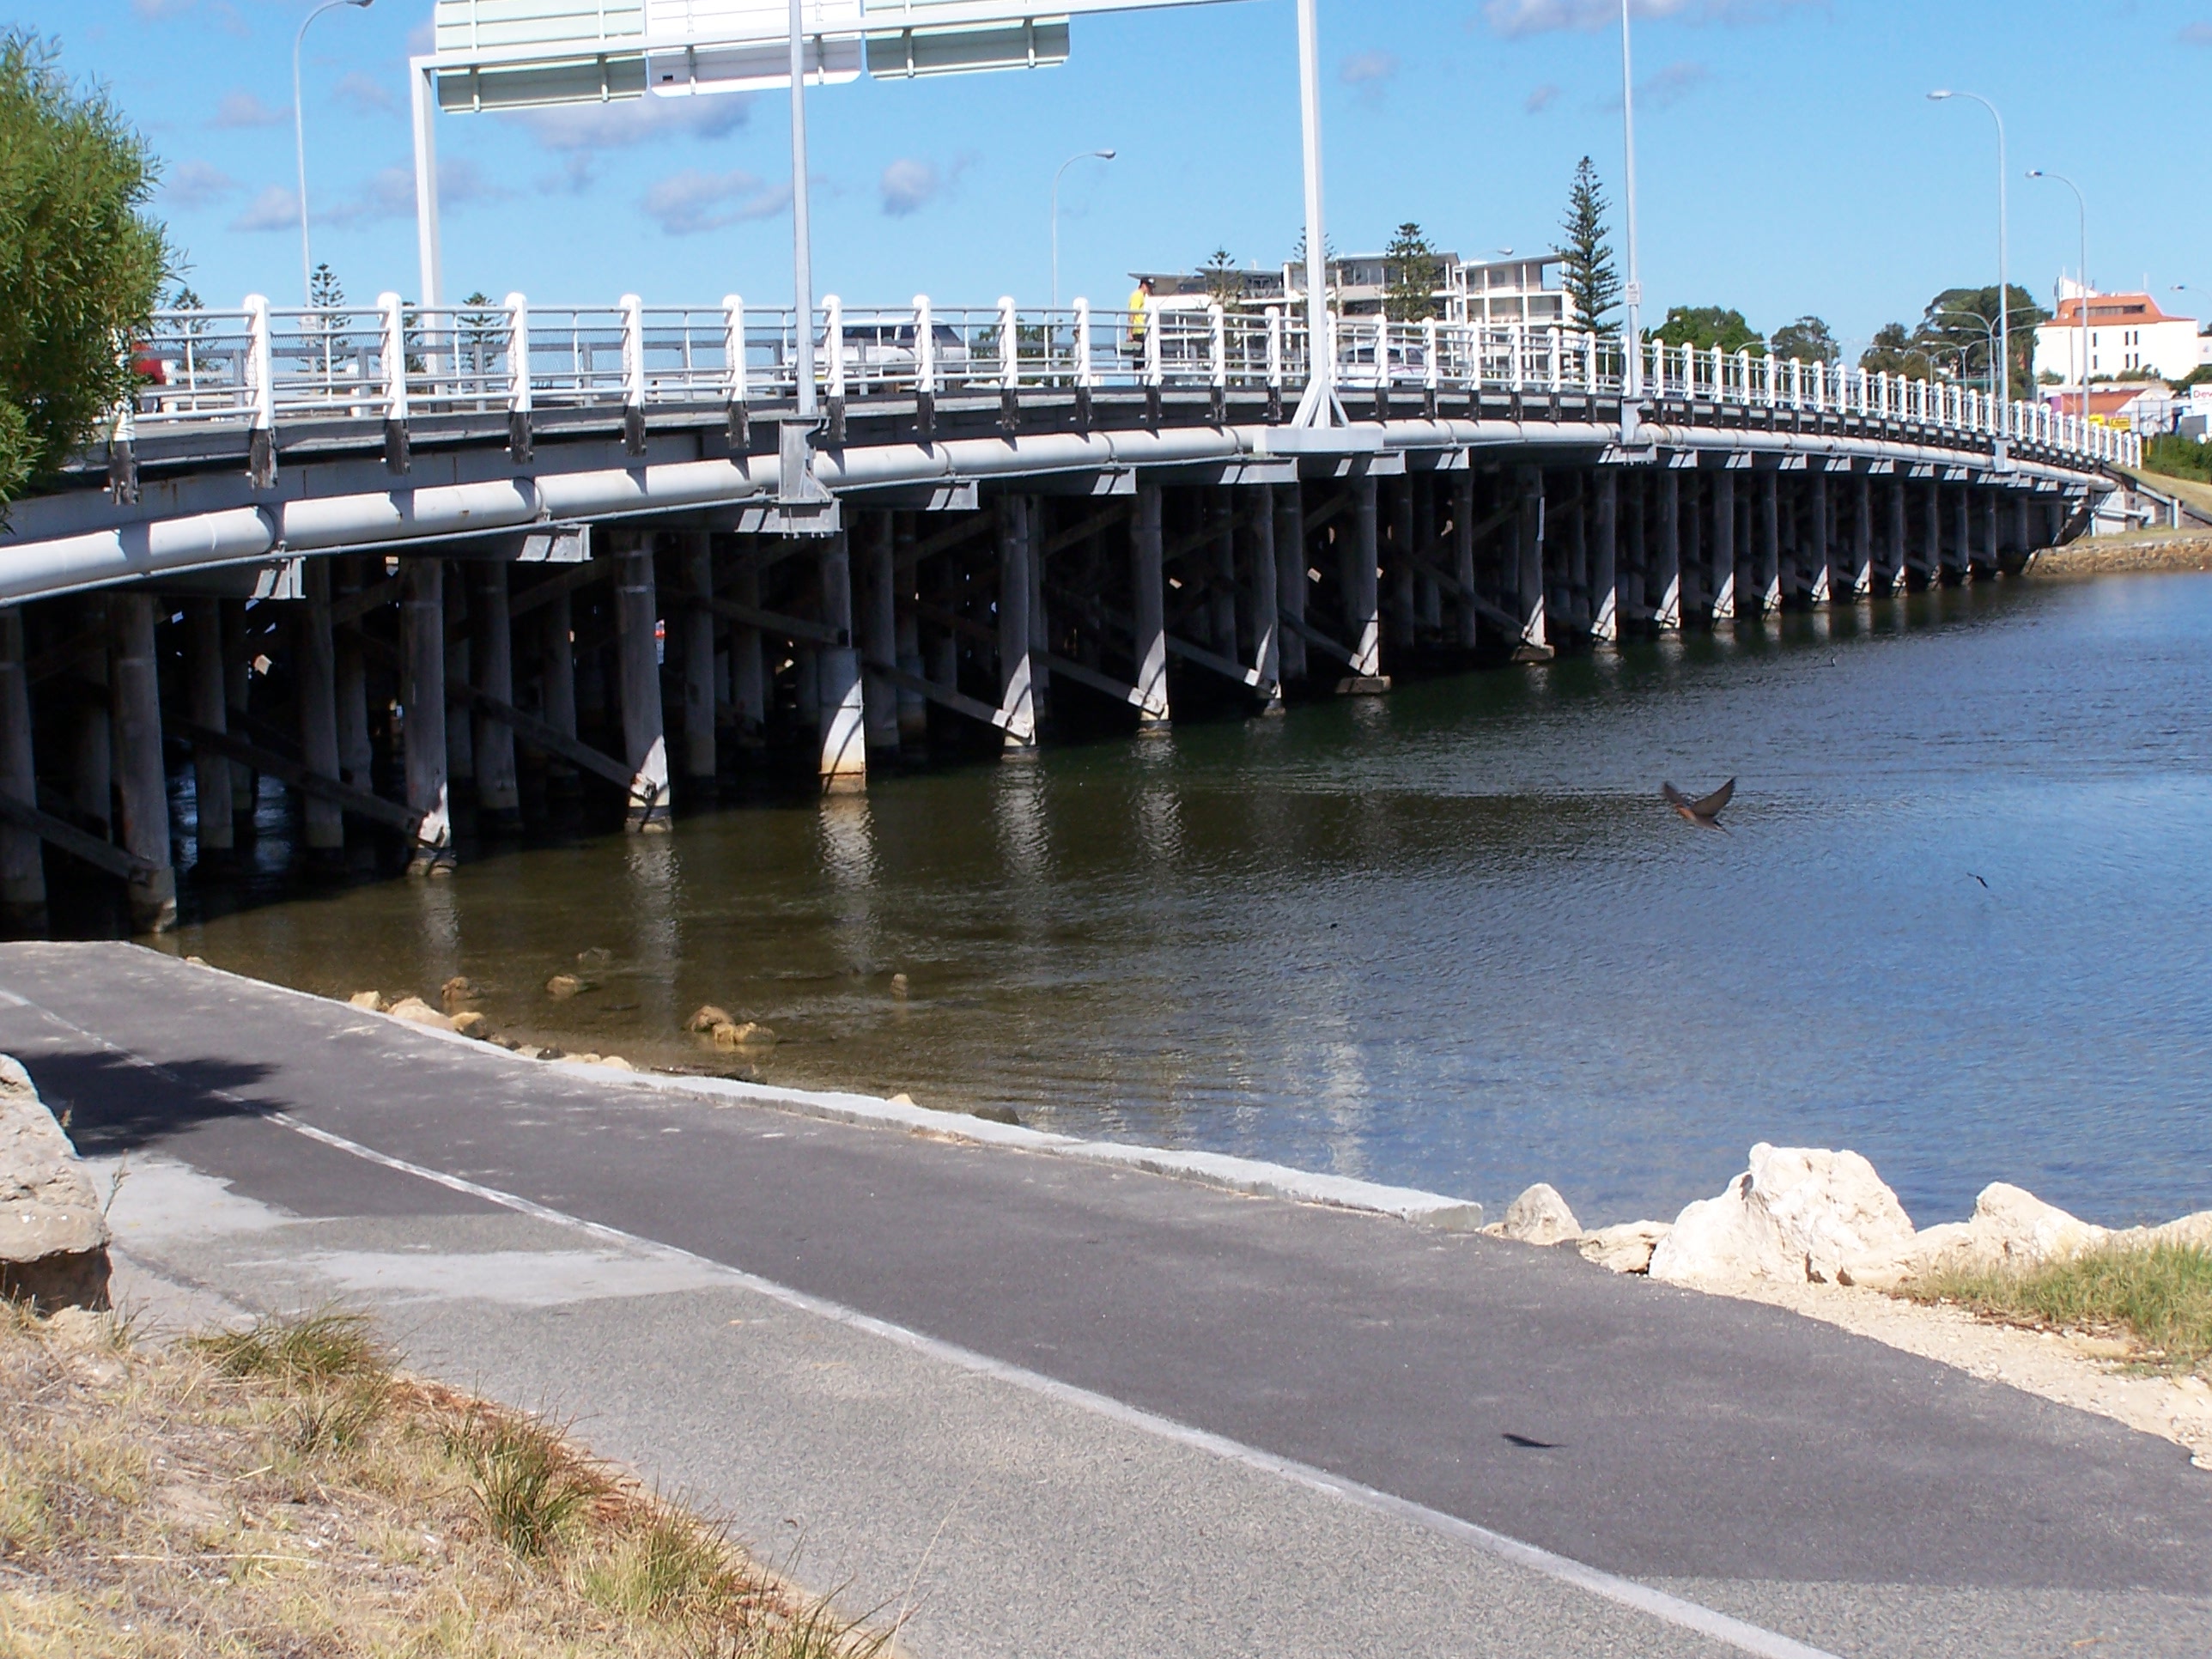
x=1452, y=938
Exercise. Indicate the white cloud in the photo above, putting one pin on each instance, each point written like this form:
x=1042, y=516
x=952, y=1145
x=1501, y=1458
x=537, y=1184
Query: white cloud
x=274, y=209
x=2196, y=34
x=691, y=202
x=910, y=185
x=1672, y=84
x=245, y=109
x=1368, y=69
x=583, y=127
x=390, y=193
x=1540, y=99
x=364, y=95
x=196, y=184
x=1515, y=18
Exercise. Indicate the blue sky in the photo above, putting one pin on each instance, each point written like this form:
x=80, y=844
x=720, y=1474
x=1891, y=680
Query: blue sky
x=1790, y=161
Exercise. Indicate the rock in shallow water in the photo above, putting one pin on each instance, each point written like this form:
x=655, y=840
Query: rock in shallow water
x=416, y=1011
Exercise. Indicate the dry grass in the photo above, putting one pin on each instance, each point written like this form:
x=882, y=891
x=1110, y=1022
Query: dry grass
x=2158, y=1298
x=282, y=1492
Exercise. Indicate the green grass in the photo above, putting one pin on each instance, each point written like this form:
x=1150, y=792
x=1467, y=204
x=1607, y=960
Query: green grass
x=324, y=1347
x=532, y=1491
x=2159, y=1297
x=2177, y=457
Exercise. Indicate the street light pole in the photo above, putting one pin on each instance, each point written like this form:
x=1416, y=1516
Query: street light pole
x=1633, y=293
x=802, y=233
x=1318, y=406
x=2004, y=379
x=1084, y=156
x=2081, y=203
x=299, y=143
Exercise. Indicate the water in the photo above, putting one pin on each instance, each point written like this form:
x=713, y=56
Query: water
x=1452, y=938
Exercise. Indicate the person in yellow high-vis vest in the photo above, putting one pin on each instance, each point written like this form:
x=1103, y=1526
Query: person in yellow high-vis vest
x=1140, y=315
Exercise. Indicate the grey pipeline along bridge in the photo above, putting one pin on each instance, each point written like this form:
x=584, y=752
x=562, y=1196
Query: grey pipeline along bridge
x=403, y=558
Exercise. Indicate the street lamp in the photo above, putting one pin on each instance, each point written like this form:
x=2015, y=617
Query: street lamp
x=2004, y=280
x=1084, y=156
x=802, y=236
x=2081, y=203
x=1632, y=293
x=300, y=142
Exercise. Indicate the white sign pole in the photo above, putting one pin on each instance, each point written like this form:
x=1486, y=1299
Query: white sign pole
x=1318, y=407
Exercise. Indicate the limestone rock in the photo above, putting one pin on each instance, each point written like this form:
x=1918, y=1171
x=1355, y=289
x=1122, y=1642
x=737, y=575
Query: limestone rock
x=2189, y=1229
x=1796, y=1214
x=1625, y=1248
x=708, y=1018
x=471, y=1023
x=2010, y=1228
x=901, y=1098
x=749, y=1035
x=2024, y=1231
x=1539, y=1215
x=596, y=957
x=54, y=1237
x=368, y=1000
x=561, y=986
x=416, y=1011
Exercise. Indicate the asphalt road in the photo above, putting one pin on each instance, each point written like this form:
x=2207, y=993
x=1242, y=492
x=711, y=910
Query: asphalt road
x=1111, y=1404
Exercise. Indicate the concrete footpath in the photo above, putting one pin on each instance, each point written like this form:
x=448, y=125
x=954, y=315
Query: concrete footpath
x=1054, y=1406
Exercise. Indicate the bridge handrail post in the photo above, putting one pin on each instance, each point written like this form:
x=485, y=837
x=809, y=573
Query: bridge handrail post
x=633, y=348
x=1086, y=374
x=517, y=307
x=1274, y=351
x=924, y=349
x=1155, y=374
x=1010, y=355
x=833, y=340
x=260, y=388
x=1432, y=370
x=1217, y=325
x=734, y=390
x=395, y=357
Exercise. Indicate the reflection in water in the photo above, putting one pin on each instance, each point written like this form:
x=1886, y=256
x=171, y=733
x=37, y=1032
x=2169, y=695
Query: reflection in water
x=1450, y=938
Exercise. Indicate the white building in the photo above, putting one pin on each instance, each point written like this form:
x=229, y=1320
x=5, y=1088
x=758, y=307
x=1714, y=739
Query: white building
x=1501, y=291
x=2126, y=333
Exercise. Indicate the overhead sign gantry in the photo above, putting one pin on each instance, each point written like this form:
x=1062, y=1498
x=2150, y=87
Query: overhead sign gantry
x=494, y=55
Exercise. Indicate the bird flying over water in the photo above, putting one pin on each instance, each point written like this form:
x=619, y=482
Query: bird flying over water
x=1706, y=813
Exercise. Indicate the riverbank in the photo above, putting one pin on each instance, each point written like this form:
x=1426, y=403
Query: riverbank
x=2091, y=1364
x=2119, y=1323
x=287, y=1489
x=2137, y=551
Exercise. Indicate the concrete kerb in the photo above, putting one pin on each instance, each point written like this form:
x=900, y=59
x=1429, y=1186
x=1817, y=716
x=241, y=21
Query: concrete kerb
x=1251, y=1176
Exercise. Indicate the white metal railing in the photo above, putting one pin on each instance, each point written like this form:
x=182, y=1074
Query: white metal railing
x=270, y=366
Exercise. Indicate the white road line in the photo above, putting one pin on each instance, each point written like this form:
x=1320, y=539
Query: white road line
x=1612, y=1587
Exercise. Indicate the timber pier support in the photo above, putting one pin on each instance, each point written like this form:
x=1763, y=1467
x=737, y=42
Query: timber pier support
x=508, y=675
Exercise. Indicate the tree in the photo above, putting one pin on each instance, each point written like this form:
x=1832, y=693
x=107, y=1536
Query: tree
x=81, y=261
x=1893, y=351
x=1806, y=340
x=1224, y=285
x=1411, y=273
x=323, y=289
x=1964, y=320
x=1707, y=326
x=1586, y=272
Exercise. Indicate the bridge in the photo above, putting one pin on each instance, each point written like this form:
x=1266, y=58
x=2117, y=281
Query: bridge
x=583, y=532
